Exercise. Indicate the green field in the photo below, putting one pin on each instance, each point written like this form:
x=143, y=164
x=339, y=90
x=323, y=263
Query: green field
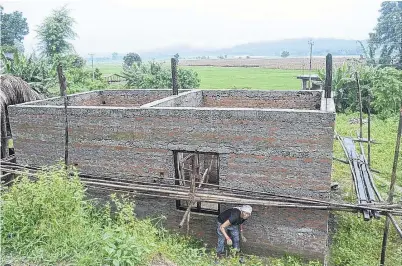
x=234, y=77
x=242, y=77
x=108, y=69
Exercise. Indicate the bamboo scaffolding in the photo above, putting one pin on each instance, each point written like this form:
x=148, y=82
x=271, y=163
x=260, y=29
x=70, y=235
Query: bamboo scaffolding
x=235, y=198
x=221, y=190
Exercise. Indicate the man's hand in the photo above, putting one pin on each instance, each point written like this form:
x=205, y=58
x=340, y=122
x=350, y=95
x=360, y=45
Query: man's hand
x=229, y=241
x=243, y=238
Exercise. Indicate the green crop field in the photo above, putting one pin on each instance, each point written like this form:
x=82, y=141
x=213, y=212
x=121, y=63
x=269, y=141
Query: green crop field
x=242, y=77
x=234, y=77
x=108, y=69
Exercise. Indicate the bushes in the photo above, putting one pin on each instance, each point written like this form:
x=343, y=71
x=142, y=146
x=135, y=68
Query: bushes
x=50, y=222
x=383, y=84
x=154, y=75
x=387, y=91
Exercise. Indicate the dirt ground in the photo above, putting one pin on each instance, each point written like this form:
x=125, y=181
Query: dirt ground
x=272, y=63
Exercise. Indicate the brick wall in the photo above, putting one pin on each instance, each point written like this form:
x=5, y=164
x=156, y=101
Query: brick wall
x=187, y=99
x=309, y=100
x=287, y=152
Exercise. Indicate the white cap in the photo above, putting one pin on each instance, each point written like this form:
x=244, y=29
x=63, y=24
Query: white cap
x=246, y=208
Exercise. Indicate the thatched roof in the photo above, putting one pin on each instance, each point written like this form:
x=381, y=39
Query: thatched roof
x=13, y=90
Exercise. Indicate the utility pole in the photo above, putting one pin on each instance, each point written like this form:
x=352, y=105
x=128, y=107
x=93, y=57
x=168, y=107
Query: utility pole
x=311, y=43
x=92, y=60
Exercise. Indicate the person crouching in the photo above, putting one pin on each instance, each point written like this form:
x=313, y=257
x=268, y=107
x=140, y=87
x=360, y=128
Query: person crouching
x=229, y=221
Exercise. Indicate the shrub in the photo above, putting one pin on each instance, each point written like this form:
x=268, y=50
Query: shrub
x=383, y=84
x=50, y=222
x=154, y=75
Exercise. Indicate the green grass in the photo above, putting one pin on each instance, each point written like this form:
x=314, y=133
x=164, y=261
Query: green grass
x=253, y=78
x=107, y=69
x=357, y=242
x=234, y=77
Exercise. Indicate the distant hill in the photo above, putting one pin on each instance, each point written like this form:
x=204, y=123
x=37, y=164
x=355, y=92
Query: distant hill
x=296, y=48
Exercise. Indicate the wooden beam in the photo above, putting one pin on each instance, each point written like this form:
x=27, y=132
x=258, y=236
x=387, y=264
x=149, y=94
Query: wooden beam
x=391, y=188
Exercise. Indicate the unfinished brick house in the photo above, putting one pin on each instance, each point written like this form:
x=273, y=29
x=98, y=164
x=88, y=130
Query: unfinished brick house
x=272, y=141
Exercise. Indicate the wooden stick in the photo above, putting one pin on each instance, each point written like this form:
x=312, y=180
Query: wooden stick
x=175, y=87
x=369, y=128
x=206, y=173
x=328, y=76
x=350, y=162
x=340, y=160
x=391, y=188
x=360, y=104
x=187, y=157
x=180, y=169
x=203, y=177
x=63, y=93
x=364, y=140
x=192, y=191
x=210, y=167
x=371, y=179
x=394, y=222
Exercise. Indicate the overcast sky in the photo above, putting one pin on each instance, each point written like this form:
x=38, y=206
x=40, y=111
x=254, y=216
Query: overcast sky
x=105, y=26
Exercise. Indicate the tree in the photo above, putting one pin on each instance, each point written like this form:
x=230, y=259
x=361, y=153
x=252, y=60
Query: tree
x=131, y=58
x=115, y=56
x=55, y=32
x=176, y=56
x=285, y=54
x=388, y=33
x=97, y=74
x=13, y=28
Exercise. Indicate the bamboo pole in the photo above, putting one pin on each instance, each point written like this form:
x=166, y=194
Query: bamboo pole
x=328, y=77
x=350, y=162
x=210, y=193
x=191, y=196
x=63, y=93
x=369, y=128
x=175, y=86
x=391, y=188
x=236, y=199
x=360, y=104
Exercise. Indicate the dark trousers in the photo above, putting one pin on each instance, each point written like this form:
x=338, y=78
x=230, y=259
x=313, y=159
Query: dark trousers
x=234, y=234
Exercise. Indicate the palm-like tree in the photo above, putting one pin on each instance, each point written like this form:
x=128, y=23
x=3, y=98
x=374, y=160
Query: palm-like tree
x=13, y=90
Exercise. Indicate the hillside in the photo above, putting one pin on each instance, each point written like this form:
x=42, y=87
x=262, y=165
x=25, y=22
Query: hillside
x=296, y=47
